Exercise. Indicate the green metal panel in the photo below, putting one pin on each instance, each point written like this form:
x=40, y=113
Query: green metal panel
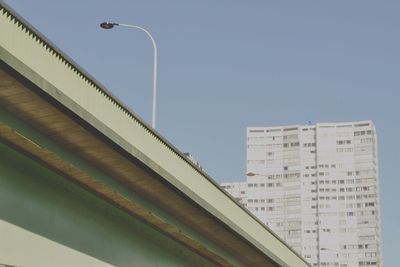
x=43, y=203
x=42, y=141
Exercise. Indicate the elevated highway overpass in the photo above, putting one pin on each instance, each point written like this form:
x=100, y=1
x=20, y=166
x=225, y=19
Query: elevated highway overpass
x=85, y=182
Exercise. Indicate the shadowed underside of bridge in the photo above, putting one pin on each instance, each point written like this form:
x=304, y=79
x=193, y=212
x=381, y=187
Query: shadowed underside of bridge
x=57, y=116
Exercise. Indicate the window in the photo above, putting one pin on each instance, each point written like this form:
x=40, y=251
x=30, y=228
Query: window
x=295, y=144
x=361, y=124
x=290, y=129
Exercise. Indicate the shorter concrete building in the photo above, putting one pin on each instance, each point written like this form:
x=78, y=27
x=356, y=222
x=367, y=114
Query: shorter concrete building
x=237, y=190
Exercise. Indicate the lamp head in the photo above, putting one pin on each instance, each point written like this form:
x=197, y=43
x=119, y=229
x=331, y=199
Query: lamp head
x=108, y=25
x=251, y=174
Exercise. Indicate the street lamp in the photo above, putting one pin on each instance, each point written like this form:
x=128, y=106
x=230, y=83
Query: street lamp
x=255, y=174
x=110, y=25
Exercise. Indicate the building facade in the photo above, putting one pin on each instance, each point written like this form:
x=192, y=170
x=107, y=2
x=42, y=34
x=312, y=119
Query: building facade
x=238, y=191
x=317, y=187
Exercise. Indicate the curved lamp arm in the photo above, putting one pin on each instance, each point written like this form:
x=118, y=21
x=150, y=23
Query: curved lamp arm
x=110, y=25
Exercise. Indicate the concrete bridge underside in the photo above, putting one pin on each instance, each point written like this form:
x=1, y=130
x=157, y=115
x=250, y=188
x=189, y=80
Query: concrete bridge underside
x=85, y=182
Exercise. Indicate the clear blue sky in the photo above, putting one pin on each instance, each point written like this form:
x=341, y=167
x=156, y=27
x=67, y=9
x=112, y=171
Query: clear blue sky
x=225, y=65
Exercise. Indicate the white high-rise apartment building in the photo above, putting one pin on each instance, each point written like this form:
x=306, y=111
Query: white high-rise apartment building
x=317, y=187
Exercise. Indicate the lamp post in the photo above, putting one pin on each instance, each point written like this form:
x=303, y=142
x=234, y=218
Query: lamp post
x=251, y=174
x=110, y=25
